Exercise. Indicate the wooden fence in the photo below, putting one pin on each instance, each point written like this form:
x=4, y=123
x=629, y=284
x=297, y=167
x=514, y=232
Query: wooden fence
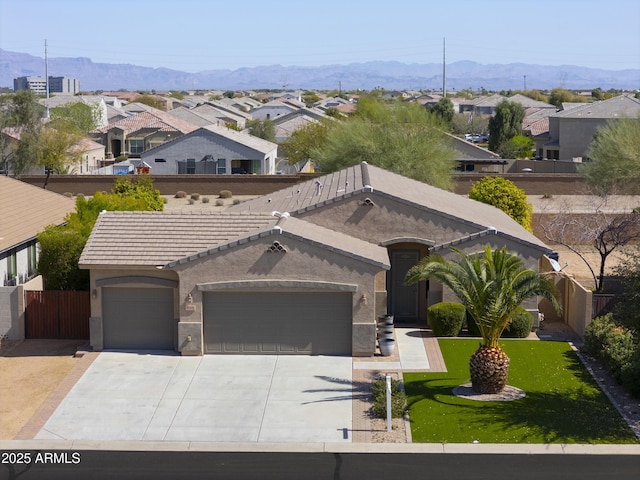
x=57, y=314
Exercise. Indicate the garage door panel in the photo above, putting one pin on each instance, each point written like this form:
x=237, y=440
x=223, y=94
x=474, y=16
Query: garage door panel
x=277, y=323
x=138, y=318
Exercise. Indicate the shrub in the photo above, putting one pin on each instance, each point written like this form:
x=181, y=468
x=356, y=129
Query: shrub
x=520, y=325
x=164, y=200
x=614, y=345
x=630, y=375
x=398, y=398
x=68, y=194
x=236, y=201
x=225, y=194
x=191, y=201
x=195, y=196
x=446, y=318
x=219, y=203
x=181, y=194
x=205, y=200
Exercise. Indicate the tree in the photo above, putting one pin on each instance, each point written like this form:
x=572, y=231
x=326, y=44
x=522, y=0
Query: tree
x=601, y=228
x=21, y=113
x=627, y=311
x=517, y=147
x=443, y=110
x=613, y=157
x=56, y=150
x=304, y=141
x=264, y=129
x=61, y=246
x=77, y=116
x=400, y=137
x=559, y=95
x=505, y=195
x=505, y=124
x=491, y=285
x=150, y=100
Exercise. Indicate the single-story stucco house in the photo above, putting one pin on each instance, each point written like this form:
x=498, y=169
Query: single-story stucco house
x=304, y=270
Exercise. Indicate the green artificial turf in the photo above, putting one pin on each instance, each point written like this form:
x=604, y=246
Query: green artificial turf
x=563, y=403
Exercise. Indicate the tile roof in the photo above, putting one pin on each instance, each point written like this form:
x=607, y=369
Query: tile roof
x=616, y=107
x=242, y=138
x=27, y=210
x=161, y=121
x=363, y=178
x=152, y=239
x=158, y=238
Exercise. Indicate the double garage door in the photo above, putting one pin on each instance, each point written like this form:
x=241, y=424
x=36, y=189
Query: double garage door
x=138, y=318
x=297, y=323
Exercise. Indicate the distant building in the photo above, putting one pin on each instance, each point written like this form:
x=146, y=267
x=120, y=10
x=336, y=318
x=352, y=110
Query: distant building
x=63, y=85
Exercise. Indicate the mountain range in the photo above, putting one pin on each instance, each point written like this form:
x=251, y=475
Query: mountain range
x=389, y=75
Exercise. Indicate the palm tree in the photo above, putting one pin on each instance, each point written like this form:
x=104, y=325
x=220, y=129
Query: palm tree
x=491, y=285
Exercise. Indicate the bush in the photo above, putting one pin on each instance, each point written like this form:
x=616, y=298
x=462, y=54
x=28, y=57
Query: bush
x=630, y=376
x=225, y=194
x=614, y=345
x=446, y=318
x=195, y=196
x=520, y=325
x=205, y=200
x=236, y=201
x=191, y=201
x=180, y=194
x=219, y=203
x=68, y=194
x=398, y=398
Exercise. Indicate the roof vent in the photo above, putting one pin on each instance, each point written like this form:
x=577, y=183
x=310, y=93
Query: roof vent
x=276, y=247
x=367, y=202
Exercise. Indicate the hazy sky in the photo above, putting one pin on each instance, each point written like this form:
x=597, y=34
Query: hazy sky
x=196, y=35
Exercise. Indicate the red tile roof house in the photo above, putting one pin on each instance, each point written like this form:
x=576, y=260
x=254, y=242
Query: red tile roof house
x=140, y=132
x=305, y=270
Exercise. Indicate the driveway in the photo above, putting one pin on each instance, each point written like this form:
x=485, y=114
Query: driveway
x=162, y=396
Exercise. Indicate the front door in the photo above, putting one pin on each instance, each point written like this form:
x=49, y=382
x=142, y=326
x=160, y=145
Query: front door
x=403, y=299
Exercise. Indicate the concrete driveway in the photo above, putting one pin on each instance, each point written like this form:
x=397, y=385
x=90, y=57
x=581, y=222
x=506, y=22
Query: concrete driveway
x=162, y=396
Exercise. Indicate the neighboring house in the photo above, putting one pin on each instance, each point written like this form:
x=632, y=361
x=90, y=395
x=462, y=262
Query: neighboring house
x=473, y=158
x=92, y=157
x=571, y=131
x=213, y=150
x=273, y=110
x=289, y=123
x=304, y=270
x=227, y=115
x=26, y=211
x=138, y=133
x=487, y=105
x=94, y=101
x=199, y=118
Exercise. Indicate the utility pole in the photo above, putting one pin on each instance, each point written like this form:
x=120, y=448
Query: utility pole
x=444, y=63
x=525, y=83
x=46, y=74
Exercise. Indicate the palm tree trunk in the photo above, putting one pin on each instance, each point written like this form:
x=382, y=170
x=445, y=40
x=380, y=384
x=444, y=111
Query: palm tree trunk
x=489, y=369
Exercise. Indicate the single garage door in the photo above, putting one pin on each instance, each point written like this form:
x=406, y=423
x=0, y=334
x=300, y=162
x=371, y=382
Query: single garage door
x=138, y=318
x=296, y=323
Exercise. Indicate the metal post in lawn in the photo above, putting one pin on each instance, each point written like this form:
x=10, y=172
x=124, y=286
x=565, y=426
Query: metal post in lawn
x=388, y=403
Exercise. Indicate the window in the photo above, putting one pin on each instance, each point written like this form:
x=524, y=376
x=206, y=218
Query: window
x=160, y=160
x=32, y=259
x=191, y=166
x=12, y=264
x=221, y=168
x=136, y=146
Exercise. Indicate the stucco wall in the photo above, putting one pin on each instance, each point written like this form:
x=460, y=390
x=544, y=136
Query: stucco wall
x=10, y=312
x=303, y=262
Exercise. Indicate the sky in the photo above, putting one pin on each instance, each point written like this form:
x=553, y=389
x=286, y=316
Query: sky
x=198, y=35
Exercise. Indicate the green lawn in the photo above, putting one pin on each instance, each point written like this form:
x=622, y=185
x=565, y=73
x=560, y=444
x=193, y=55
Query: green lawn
x=563, y=404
